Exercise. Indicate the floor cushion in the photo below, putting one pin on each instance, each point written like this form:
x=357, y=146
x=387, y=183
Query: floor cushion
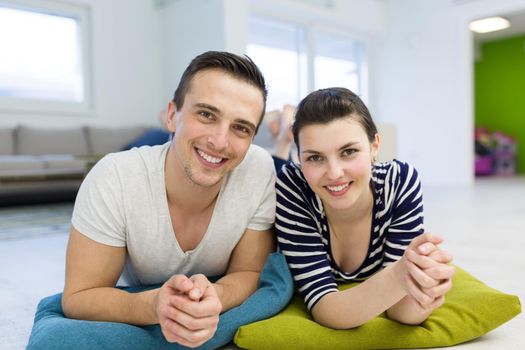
x=53, y=331
x=471, y=310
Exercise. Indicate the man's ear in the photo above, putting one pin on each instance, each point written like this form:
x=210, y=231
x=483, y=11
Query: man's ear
x=171, y=111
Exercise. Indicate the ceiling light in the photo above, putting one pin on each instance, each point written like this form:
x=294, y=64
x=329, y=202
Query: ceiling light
x=490, y=24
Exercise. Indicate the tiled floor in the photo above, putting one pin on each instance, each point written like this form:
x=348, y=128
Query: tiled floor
x=484, y=228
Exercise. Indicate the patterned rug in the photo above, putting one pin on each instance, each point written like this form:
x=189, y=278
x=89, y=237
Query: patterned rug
x=35, y=221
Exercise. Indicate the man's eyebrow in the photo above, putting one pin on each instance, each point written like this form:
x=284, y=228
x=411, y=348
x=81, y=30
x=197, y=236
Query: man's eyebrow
x=346, y=145
x=210, y=107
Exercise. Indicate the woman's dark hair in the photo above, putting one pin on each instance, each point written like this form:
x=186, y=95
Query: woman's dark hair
x=325, y=105
x=237, y=66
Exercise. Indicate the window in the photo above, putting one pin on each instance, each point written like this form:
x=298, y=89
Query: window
x=297, y=59
x=278, y=50
x=44, y=65
x=338, y=61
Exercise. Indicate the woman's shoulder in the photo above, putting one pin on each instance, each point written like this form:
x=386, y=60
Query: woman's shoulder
x=394, y=172
x=291, y=172
x=292, y=183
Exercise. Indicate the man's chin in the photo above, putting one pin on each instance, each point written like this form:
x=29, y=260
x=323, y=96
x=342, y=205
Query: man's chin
x=205, y=181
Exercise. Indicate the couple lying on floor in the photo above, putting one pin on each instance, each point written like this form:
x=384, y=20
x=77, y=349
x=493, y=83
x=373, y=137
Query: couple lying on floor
x=207, y=204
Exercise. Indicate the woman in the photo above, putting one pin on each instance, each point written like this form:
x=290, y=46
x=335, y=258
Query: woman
x=343, y=217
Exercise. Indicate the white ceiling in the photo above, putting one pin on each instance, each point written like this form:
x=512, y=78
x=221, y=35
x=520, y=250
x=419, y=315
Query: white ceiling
x=517, y=27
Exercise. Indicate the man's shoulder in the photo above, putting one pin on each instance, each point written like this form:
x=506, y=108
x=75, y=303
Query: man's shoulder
x=135, y=156
x=257, y=159
x=128, y=164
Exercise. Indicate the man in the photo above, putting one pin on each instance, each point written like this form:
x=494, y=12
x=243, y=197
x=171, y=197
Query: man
x=202, y=205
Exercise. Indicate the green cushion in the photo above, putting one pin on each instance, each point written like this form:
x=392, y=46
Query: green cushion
x=471, y=310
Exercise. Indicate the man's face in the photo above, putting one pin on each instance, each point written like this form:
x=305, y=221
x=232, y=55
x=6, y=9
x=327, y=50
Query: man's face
x=215, y=126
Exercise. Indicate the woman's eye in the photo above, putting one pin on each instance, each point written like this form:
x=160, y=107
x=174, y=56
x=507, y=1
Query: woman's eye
x=314, y=158
x=348, y=152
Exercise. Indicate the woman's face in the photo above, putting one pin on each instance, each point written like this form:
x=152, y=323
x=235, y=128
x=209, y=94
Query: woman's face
x=336, y=161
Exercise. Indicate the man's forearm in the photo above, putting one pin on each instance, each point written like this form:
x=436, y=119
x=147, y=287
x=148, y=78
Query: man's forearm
x=112, y=305
x=233, y=289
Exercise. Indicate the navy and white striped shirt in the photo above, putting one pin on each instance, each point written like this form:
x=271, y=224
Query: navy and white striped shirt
x=304, y=237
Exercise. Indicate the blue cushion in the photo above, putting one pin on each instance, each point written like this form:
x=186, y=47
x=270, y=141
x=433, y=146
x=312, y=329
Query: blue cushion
x=52, y=330
x=150, y=138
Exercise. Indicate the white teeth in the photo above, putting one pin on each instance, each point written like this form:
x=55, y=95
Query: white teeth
x=209, y=158
x=337, y=188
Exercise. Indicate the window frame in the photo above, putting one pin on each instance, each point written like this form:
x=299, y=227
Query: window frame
x=310, y=28
x=82, y=14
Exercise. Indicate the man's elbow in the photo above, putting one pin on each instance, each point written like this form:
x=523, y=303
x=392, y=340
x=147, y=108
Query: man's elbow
x=67, y=306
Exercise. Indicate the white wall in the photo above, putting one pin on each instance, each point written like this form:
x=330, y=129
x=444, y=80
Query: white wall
x=127, y=71
x=191, y=27
x=423, y=83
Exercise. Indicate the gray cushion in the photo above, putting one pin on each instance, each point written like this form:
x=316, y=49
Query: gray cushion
x=7, y=141
x=37, y=141
x=25, y=166
x=108, y=140
x=21, y=162
x=64, y=162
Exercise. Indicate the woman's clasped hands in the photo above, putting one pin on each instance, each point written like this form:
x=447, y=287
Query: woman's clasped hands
x=425, y=273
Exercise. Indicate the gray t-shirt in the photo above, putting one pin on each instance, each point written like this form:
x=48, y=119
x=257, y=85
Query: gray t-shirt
x=122, y=203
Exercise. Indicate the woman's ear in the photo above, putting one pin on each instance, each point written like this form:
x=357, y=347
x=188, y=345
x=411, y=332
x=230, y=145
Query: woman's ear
x=375, y=146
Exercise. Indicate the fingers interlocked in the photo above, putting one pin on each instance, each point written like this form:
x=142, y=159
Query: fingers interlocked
x=429, y=276
x=188, y=310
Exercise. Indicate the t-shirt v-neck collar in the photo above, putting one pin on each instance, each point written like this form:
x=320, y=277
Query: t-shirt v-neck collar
x=167, y=214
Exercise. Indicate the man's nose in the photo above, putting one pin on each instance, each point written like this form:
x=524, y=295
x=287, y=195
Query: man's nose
x=219, y=138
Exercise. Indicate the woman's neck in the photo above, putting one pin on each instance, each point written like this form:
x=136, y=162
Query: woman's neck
x=361, y=210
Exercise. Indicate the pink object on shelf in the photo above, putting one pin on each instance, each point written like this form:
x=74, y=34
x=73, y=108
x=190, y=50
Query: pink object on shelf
x=483, y=165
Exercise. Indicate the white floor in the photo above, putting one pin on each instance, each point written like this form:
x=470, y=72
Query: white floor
x=484, y=228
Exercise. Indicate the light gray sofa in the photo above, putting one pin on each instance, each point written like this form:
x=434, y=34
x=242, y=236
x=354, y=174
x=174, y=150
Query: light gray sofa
x=38, y=164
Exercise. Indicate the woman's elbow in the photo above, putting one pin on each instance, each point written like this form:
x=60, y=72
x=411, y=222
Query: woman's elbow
x=409, y=320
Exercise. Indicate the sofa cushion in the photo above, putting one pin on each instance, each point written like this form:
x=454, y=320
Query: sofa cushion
x=21, y=162
x=107, y=140
x=36, y=141
x=64, y=162
x=7, y=141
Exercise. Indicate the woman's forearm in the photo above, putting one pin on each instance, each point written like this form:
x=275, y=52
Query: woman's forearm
x=408, y=311
x=356, y=306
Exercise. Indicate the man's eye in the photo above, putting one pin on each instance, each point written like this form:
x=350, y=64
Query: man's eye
x=206, y=115
x=243, y=129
